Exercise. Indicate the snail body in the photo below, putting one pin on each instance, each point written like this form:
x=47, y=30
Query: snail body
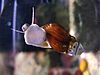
x=34, y=35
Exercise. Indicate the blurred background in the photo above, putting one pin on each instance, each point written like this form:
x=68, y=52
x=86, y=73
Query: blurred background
x=80, y=17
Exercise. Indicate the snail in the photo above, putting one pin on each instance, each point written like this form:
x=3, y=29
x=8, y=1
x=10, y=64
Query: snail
x=51, y=36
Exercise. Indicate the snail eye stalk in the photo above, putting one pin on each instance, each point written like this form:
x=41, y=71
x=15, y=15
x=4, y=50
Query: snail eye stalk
x=17, y=31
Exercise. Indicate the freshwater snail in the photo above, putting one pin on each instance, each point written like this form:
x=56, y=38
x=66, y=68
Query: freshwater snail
x=50, y=36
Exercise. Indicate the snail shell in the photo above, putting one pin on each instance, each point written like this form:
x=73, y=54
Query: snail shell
x=58, y=37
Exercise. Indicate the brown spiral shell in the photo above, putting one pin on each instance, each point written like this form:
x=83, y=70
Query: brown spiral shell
x=58, y=37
